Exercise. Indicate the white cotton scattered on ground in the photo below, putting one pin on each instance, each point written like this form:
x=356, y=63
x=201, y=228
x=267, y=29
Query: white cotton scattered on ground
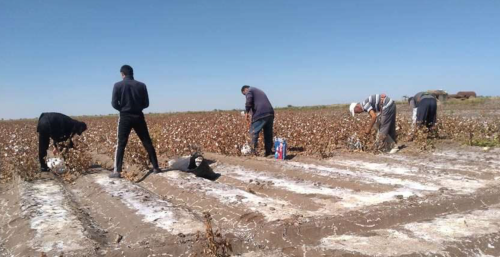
x=381, y=243
x=433, y=181
x=272, y=209
x=153, y=210
x=451, y=160
x=365, y=176
x=245, y=175
x=455, y=227
x=56, y=227
x=490, y=158
x=348, y=198
x=275, y=253
x=420, y=237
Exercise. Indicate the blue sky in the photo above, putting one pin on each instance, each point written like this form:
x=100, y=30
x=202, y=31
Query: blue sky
x=65, y=56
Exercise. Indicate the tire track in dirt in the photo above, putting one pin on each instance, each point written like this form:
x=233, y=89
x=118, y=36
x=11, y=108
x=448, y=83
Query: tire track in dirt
x=233, y=196
x=137, y=222
x=55, y=225
x=441, y=236
x=489, y=158
x=401, y=174
x=444, y=163
x=5, y=207
x=297, y=236
x=438, y=198
x=236, y=223
x=159, y=212
x=192, y=196
x=333, y=196
x=330, y=199
x=272, y=253
x=365, y=176
x=265, y=188
x=14, y=229
x=398, y=175
x=274, y=168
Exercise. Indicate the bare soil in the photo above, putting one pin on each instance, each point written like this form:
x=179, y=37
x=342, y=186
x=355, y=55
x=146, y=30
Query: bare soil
x=440, y=203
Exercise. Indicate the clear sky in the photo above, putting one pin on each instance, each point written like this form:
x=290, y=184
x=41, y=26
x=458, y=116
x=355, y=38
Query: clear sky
x=65, y=56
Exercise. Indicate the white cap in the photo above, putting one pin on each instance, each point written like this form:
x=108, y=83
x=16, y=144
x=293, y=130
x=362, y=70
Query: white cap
x=351, y=108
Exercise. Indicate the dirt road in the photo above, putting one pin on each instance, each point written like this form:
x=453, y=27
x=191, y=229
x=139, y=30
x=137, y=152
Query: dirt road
x=444, y=203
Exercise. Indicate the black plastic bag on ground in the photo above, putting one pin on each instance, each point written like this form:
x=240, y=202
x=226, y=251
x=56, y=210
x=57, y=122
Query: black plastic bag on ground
x=195, y=164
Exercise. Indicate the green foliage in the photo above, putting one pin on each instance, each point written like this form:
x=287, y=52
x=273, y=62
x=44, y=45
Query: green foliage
x=486, y=142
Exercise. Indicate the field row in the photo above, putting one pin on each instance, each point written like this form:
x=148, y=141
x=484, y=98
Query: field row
x=263, y=207
x=316, y=133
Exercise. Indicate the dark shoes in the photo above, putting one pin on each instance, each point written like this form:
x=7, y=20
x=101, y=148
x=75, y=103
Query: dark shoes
x=157, y=170
x=44, y=169
x=115, y=175
x=269, y=155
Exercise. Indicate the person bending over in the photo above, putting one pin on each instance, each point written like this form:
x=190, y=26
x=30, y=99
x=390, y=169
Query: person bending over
x=262, y=118
x=382, y=111
x=424, y=107
x=59, y=128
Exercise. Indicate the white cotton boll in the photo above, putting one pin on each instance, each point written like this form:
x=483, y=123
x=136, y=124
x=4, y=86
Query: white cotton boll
x=198, y=161
x=246, y=149
x=56, y=164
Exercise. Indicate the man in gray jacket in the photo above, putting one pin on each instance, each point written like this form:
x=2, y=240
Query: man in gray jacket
x=262, y=118
x=424, y=107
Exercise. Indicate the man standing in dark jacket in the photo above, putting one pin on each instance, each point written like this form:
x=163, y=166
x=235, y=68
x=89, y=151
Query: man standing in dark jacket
x=130, y=97
x=60, y=128
x=262, y=117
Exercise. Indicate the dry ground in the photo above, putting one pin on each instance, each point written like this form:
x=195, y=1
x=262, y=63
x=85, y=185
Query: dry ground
x=443, y=203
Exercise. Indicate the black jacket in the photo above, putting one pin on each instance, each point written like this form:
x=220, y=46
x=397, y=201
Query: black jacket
x=59, y=126
x=188, y=164
x=130, y=96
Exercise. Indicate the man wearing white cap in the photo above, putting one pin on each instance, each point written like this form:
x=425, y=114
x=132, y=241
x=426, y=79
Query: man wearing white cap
x=382, y=111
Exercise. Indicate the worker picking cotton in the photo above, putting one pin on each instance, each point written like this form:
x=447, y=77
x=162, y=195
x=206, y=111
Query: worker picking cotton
x=262, y=117
x=424, y=107
x=382, y=112
x=59, y=128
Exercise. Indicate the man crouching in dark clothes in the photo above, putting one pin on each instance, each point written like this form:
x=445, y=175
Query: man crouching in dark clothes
x=60, y=128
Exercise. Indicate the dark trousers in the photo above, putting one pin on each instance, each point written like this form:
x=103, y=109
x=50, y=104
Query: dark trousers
x=426, y=112
x=265, y=124
x=126, y=123
x=43, y=146
x=43, y=129
x=387, y=129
